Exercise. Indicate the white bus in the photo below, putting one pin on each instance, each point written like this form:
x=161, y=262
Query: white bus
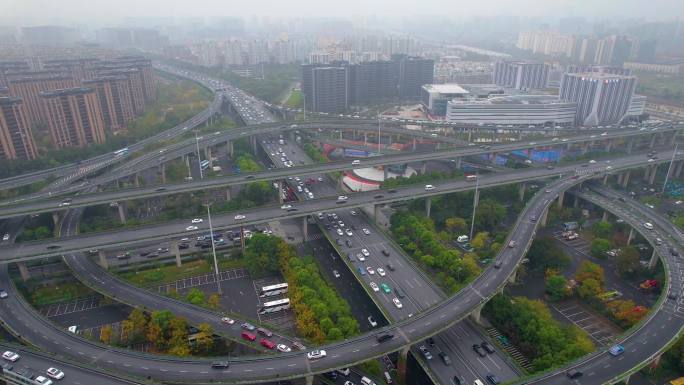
x=274, y=306
x=268, y=291
x=121, y=152
x=204, y=164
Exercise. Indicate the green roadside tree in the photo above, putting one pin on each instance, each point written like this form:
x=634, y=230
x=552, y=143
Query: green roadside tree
x=195, y=296
x=599, y=247
x=603, y=229
x=557, y=287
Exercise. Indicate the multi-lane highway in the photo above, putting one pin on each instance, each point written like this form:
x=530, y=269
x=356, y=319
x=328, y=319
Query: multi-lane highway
x=20, y=206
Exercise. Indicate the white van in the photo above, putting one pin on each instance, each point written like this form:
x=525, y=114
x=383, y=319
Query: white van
x=478, y=382
x=368, y=381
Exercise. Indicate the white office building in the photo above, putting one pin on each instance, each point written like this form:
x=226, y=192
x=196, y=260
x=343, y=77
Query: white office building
x=602, y=98
x=537, y=110
x=521, y=75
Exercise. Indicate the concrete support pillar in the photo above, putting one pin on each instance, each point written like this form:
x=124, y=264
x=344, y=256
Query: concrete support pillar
x=228, y=197
x=561, y=197
x=652, y=143
x=653, y=261
x=401, y=364
x=585, y=147
x=384, y=172
x=305, y=229
x=605, y=179
x=209, y=156
x=630, y=237
x=475, y=315
x=23, y=270
x=423, y=168
x=162, y=171
x=604, y=218
x=654, y=171
x=439, y=145
x=458, y=162
x=662, y=139
x=56, y=219
x=619, y=179
x=122, y=212
x=254, y=145
x=625, y=178
x=414, y=144
x=428, y=206
x=609, y=145
x=176, y=251
x=521, y=191
x=309, y=380
x=511, y=278
x=575, y=203
x=280, y=191
x=136, y=179
x=678, y=170
x=365, y=139
x=229, y=146
x=103, y=260
x=544, y=218
x=376, y=214
x=630, y=145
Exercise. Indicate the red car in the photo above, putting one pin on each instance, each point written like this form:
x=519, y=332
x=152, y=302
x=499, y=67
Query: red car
x=248, y=336
x=267, y=344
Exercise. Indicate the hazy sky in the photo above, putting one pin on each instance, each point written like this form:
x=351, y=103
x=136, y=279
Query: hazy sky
x=112, y=11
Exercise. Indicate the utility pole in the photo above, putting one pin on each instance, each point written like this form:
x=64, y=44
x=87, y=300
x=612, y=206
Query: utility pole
x=213, y=249
x=199, y=159
x=667, y=176
x=475, y=202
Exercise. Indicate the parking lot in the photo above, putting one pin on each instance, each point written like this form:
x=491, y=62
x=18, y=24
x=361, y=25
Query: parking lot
x=598, y=328
x=283, y=319
x=81, y=304
x=201, y=280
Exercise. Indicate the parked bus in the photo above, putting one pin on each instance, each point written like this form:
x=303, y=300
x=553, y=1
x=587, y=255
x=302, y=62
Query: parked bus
x=471, y=178
x=274, y=306
x=121, y=152
x=204, y=164
x=270, y=290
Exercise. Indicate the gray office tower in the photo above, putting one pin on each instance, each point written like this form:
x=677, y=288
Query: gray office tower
x=576, y=69
x=414, y=72
x=329, y=89
x=373, y=80
x=602, y=98
x=521, y=75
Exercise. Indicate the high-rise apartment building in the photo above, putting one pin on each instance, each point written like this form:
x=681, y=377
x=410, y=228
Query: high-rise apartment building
x=521, y=75
x=330, y=89
x=115, y=100
x=602, y=98
x=598, y=69
x=74, y=117
x=146, y=72
x=29, y=85
x=376, y=80
x=135, y=84
x=414, y=72
x=16, y=139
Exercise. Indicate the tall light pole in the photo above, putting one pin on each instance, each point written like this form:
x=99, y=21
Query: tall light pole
x=667, y=176
x=199, y=159
x=475, y=201
x=213, y=249
x=378, y=116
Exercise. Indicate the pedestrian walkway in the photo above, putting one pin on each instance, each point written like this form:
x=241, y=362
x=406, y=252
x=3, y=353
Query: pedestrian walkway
x=81, y=304
x=200, y=280
x=512, y=351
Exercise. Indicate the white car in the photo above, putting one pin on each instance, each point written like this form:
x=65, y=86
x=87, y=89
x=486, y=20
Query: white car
x=55, y=373
x=336, y=274
x=342, y=198
x=10, y=356
x=42, y=380
x=3, y=294
x=283, y=348
x=381, y=271
x=429, y=187
x=397, y=303
x=286, y=207
x=374, y=286
x=190, y=228
x=365, y=231
x=370, y=270
x=197, y=220
x=365, y=252
x=356, y=162
x=592, y=161
x=227, y=320
x=349, y=233
x=239, y=216
x=5, y=237
x=316, y=354
x=360, y=257
x=373, y=323
x=340, y=232
x=648, y=226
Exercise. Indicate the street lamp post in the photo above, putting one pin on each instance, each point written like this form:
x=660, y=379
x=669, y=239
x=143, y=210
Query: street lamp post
x=475, y=199
x=669, y=169
x=213, y=249
x=199, y=159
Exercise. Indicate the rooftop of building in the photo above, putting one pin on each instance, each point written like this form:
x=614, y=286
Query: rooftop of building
x=599, y=75
x=66, y=91
x=513, y=99
x=101, y=79
x=448, y=88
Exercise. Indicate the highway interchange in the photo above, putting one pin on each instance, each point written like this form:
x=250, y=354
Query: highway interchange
x=23, y=320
